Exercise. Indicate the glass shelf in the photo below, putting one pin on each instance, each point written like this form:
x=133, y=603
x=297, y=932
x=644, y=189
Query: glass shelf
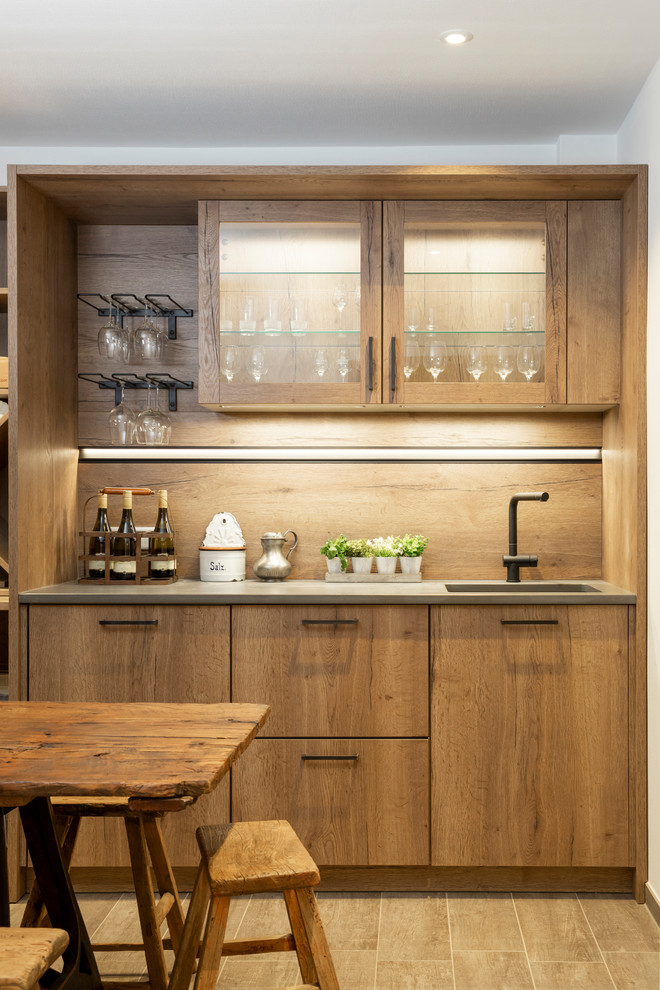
x=473, y=274
x=499, y=333
x=274, y=334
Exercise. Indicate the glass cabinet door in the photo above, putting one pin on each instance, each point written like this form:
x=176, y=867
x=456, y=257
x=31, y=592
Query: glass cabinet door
x=290, y=305
x=474, y=302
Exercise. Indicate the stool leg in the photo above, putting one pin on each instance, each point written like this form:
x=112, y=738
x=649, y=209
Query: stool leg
x=192, y=933
x=146, y=904
x=165, y=878
x=210, y=955
x=318, y=945
x=303, y=950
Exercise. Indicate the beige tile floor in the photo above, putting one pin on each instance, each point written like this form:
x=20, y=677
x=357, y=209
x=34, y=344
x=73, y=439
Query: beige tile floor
x=420, y=941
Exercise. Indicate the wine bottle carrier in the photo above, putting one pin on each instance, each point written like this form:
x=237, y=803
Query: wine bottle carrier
x=142, y=558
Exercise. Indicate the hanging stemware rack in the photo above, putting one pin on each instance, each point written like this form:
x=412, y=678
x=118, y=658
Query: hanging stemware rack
x=128, y=380
x=128, y=304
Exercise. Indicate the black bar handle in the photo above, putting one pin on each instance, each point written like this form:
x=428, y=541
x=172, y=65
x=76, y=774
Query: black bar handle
x=393, y=364
x=370, y=364
x=529, y=622
x=128, y=622
x=329, y=622
x=306, y=756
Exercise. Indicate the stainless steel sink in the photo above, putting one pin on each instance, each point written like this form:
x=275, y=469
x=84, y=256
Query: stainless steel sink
x=523, y=587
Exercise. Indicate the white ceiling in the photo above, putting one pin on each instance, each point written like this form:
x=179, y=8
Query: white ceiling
x=222, y=73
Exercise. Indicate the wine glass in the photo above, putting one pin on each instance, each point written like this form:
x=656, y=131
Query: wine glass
x=411, y=358
x=229, y=361
x=477, y=361
x=343, y=363
x=112, y=339
x=430, y=319
x=529, y=360
x=527, y=317
x=435, y=358
x=321, y=363
x=257, y=363
x=503, y=361
x=146, y=336
x=152, y=426
x=122, y=422
x=339, y=300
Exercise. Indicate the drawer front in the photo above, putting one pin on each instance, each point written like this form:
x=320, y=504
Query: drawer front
x=128, y=653
x=334, y=671
x=369, y=811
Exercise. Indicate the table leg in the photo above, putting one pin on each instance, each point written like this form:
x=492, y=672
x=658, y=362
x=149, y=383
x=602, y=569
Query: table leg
x=79, y=971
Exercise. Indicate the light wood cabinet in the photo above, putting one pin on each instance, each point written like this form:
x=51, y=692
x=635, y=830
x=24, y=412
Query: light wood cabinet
x=353, y=802
x=482, y=303
x=530, y=736
x=334, y=670
x=133, y=653
x=348, y=688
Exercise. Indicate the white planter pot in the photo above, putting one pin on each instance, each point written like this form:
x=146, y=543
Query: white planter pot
x=386, y=565
x=334, y=565
x=411, y=565
x=361, y=565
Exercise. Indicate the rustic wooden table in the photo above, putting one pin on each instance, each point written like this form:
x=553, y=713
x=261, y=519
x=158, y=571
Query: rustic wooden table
x=142, y=750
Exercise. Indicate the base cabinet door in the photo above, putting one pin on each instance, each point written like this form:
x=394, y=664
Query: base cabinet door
x=353, y=802
x=530, y=736
x=133, y=653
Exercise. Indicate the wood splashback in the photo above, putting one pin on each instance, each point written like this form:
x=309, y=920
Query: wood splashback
x=462, y=507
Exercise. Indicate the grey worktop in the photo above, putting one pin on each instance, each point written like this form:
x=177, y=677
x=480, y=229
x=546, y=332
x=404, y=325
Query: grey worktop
x=292, y=592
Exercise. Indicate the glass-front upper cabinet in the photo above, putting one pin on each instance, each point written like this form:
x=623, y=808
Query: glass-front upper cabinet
x=290, y=303
x=474, y=302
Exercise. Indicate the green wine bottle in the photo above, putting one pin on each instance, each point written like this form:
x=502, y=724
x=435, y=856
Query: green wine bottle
x=163, y=568
x=97, y=544
x=125, y=570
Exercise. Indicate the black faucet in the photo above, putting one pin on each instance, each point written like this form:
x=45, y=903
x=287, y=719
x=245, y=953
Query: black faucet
x=513, y=561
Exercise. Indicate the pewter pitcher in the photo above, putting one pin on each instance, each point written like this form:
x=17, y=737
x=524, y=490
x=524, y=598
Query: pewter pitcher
x=273, y=565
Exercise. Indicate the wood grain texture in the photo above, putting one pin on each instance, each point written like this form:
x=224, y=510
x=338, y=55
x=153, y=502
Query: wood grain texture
x=530, y=730
x=624, y=490
x=366, y=811
x=169, y=194
x=492, y=970
x=254, y=858
x=106, y=749
x=555, y=929
x=368, y=678
x=151, y=258
x=461, y=506
x=185, y=657
x=26, y=954
x=594, y=301
x=483, y=922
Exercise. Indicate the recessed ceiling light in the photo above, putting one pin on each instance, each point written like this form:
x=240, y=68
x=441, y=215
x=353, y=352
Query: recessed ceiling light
x=456, y=36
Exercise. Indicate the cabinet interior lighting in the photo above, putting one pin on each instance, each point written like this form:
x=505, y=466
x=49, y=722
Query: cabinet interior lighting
x=373, y=454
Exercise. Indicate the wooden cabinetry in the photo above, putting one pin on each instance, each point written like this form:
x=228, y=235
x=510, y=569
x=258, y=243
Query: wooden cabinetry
x=530, y=736
x=476, y=301
x=348, y=686
x=125, y=653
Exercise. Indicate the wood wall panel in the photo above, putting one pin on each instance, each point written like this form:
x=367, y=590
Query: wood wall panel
x=462, y=507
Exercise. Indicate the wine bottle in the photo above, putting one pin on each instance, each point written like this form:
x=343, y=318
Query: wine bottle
x=97, y=544
x=125, y=570
x=164, y=568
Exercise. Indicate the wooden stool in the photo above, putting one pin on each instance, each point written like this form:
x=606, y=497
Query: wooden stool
x=252, y=858
x=26, y=955
x=145, y=843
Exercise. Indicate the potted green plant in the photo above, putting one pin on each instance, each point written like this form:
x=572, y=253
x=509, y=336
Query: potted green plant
x=384, y=551
x=409, y=549
x=336, y=554
x=361, y=556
